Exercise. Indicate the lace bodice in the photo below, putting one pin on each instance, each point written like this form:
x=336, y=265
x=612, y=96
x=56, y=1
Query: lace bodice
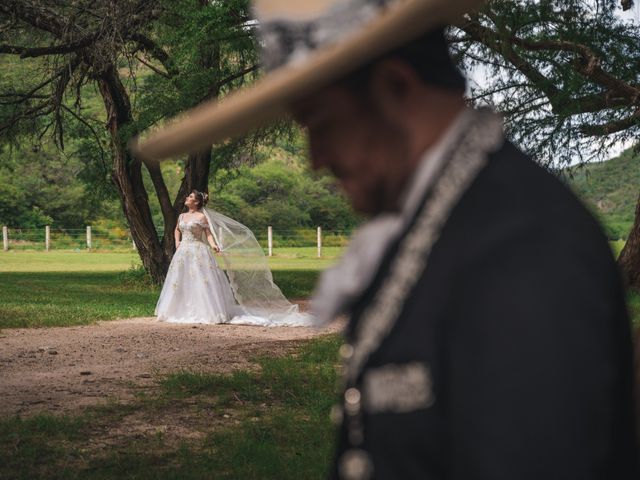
x=191, y=230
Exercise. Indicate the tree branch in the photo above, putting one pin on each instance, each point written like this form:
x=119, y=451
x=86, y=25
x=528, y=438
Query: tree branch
x=617, y=94
x=155, y=69
x=489, y=38
x=168, y=213
x=499, y=90
x=156, y=52
x=588, y=64
x=58, y=97
x=91, y=129
x=36, y=15
x=40, y=110
x=215, y=88
x=613, y=126
x=25, y=52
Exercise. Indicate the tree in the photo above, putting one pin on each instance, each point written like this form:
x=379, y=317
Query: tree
x=39, y=185
x=178, y=52
x=283, y=193
x=566, y=75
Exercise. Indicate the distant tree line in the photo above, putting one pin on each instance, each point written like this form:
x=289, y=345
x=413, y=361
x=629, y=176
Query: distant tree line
x=43, y=187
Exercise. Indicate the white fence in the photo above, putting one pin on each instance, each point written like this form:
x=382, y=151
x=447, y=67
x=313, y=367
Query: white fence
x=90, y=238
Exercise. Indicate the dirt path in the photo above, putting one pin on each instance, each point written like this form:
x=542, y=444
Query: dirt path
x=62, y=369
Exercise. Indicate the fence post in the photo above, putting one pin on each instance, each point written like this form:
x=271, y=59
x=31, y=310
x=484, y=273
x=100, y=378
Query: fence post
x=319, y=242
x=88, y=237
x=5, y=238
x=47, y=238
x=270, y=240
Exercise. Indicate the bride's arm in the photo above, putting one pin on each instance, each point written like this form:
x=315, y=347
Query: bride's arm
x=207, y=230
x=211, y=240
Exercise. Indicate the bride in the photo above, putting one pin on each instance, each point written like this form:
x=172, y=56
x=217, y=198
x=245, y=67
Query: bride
x=197, y=290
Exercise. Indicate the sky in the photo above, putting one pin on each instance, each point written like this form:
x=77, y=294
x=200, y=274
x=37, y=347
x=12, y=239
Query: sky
x=632, y=15
x=478, y=75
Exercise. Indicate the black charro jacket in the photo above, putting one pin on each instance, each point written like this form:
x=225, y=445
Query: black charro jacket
x=511, y=357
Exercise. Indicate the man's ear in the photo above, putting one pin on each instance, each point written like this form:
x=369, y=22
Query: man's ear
x=392, y=86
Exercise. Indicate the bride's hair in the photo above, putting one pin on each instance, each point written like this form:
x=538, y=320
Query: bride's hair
x=201, y=197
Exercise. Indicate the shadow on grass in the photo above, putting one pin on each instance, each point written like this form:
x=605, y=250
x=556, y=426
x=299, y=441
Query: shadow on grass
x=51, y=299
x=271, y=423
x=48, y=299
x=296, y=283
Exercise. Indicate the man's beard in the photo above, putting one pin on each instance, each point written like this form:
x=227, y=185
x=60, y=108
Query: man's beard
x=385, y=196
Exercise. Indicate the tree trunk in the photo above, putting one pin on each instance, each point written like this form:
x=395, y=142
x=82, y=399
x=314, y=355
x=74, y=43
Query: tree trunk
x=198, y=164
x=127, y=176
x=169, y=212
x=629, y=259
x=196, y=176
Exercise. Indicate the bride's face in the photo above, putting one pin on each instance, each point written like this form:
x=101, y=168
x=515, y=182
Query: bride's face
x=191, y=201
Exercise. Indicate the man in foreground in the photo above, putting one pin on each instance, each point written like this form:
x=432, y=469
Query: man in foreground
x=487, y=335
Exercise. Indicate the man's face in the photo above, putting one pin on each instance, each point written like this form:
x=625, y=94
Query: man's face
x=357, y=144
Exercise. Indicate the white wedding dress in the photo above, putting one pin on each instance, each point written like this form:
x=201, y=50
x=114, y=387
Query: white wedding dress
x=197, y=290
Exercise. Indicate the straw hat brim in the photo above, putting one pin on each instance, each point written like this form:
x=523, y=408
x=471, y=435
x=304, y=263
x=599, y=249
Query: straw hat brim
x=269, y=98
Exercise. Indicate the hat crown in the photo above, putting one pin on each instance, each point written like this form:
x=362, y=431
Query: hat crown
x=291, y=30
x=268, y=10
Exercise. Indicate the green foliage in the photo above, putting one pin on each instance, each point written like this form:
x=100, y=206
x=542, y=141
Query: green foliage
x=283, y=193
x=610, y=189
x=617, y=246
x=207, y=43
x=47, y=188
x=39, y=186
x=137, y=278
x=190, y=52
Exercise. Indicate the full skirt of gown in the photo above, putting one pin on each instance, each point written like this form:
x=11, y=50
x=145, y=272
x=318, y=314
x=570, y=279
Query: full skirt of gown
x=196, y=289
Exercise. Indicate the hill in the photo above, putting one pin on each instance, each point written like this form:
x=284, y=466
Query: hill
x=610, y=189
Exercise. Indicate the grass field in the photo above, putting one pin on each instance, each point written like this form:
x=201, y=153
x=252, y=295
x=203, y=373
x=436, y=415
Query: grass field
x=63, y=288
x=617, y=246
x=269, y=423
x=294, y=258
x=15, y=261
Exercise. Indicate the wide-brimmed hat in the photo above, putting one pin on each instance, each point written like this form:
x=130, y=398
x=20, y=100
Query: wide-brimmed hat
x=306, y=45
